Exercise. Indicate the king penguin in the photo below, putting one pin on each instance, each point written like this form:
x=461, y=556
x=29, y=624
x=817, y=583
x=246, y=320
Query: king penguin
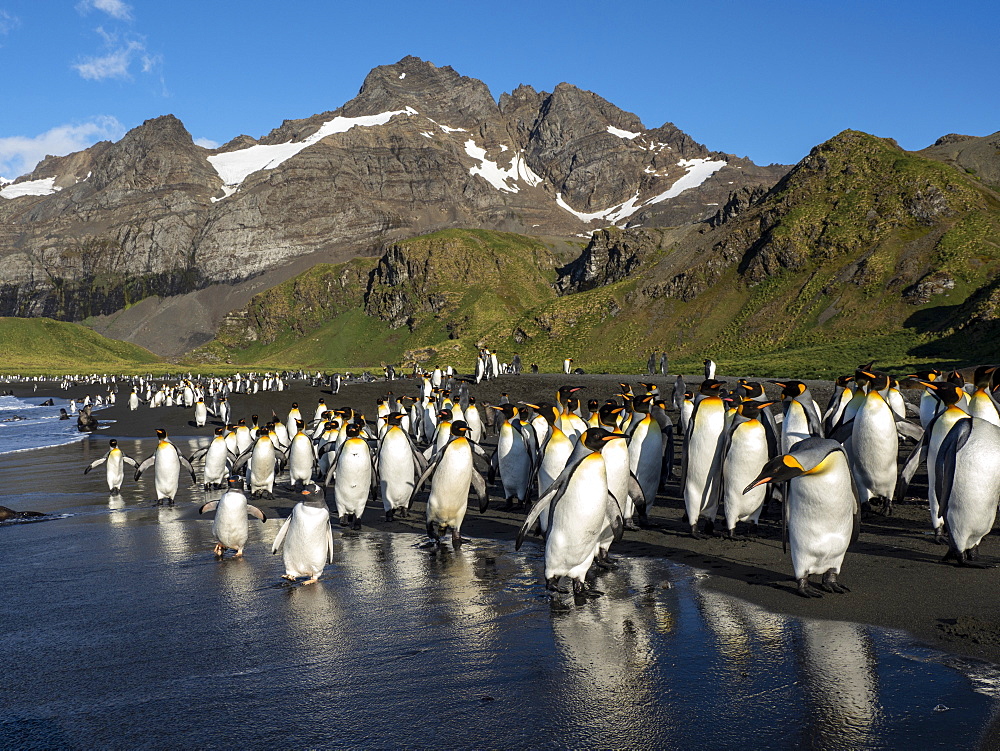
x=355, y=477
x=116, y=459
x=746, y=449
x=821, y=509
x=166, y=461
x=702, y=468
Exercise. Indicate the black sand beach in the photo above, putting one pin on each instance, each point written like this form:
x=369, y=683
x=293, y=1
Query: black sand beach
x=893, y=571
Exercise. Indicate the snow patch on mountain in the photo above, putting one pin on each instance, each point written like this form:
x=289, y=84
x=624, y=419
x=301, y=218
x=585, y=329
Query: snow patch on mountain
x=235, y=166
x=43, y=187
x=497, y=176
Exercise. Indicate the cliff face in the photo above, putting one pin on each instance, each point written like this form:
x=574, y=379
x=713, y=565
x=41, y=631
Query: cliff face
x=420, y=148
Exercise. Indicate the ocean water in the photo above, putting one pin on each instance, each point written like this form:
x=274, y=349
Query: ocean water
x=121, y=630
x=26, y=424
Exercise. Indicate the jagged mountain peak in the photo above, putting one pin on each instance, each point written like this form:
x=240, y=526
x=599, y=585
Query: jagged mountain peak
x=440, y=93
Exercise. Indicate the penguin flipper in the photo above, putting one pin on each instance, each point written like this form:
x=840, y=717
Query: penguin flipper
x=909, y=430
x=423, y=478
x=129, y=460
x=187, y=465
x=479, y=483
x=616, y=518
x=913, y=461
x=329, y=544
x=96, y=463
x=146, y=464
x=280, y=537
x=255, y=512
x=210, y=506
x=494, y=466
x=533, y=515
x=947, y=458
x=634, y=490
x=242, y=459
x=199, y=454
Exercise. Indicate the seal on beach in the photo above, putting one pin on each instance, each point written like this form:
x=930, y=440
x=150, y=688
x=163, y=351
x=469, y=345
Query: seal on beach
x=7, y=514
x=86, y=422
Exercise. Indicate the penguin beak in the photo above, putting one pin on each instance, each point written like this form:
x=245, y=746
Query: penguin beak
x=779, y=469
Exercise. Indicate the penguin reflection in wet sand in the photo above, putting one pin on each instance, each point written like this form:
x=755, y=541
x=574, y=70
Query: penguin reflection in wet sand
x=231, y=528
x=116, y=459
x=820, y=512
x=306, y=538
x=579, y=507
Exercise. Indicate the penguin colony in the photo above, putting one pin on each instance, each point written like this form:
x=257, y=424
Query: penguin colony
x=586, y=473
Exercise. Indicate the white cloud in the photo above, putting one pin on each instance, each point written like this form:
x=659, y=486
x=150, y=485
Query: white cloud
x=20, y=154
x=8, y=23
x=114, y=8
x=207, y=143
x=118, y=60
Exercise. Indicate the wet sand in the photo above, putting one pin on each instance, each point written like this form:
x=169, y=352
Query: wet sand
x=893, y=571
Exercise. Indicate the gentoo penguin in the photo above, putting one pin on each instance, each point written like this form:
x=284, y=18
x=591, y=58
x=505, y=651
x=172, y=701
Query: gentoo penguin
x=230, y=526
x=514, y=457
x=354, y=477
x=218, y=459
x=579, y=507
x=166, y=461
x=746, y=449
x=821, y=509
x=116, y=460
x=397, y=466
x=702, y=461
x=452, y=473
x=306, y=537
x=967, y=481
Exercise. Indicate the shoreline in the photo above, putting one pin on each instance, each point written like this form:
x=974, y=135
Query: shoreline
x=893, y=570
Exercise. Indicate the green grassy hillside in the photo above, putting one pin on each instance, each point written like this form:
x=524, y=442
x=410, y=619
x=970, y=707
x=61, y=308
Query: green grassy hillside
x=864, y=251
x=40, y=345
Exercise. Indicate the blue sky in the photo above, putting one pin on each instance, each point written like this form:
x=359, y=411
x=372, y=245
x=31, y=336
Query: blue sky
x=767, y=80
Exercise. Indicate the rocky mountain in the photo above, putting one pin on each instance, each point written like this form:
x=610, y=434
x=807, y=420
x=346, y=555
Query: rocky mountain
x=155, y=239
x=862, y=251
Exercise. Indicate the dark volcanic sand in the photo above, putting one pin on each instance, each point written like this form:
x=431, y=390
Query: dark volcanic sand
x=893, y=571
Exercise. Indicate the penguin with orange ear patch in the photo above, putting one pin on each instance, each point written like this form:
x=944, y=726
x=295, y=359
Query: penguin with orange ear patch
x=821, y=510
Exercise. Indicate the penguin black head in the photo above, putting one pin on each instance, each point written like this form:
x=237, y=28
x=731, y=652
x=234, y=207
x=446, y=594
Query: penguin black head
x=844, y=380
x=877, y=380
x=948, y=393
x=779, y=469
x=220, y=431
x=509, y=410
x=983, y=376
x=113, y=443
x=596, y=438
x=235, y=482
x=444, y=415
x=394, y=418
x=608, y=413
x=161, y=433
x=750, y=389
x=459, y=428
x=572, y=404
x=711, y=387
x=642, y=403
x=791, y=389
x=593, y=405
x=353, y=430
x=751, y=409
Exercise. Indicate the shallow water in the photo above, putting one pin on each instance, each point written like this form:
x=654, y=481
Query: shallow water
x=26, y=424
x=119, y=629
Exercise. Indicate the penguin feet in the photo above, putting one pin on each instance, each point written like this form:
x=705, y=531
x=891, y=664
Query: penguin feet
x=696, y=533
x=830, y=584
x=709, y=528
x=390, y=514
x=940, y=537
x=806, y=589
x=886, y=504
x=605, y=561
x=456, y=539
x=631, y=525
x=343, y=522
x=552, y=585
x=356, y=525
x=403, y=512
x=219, y=550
